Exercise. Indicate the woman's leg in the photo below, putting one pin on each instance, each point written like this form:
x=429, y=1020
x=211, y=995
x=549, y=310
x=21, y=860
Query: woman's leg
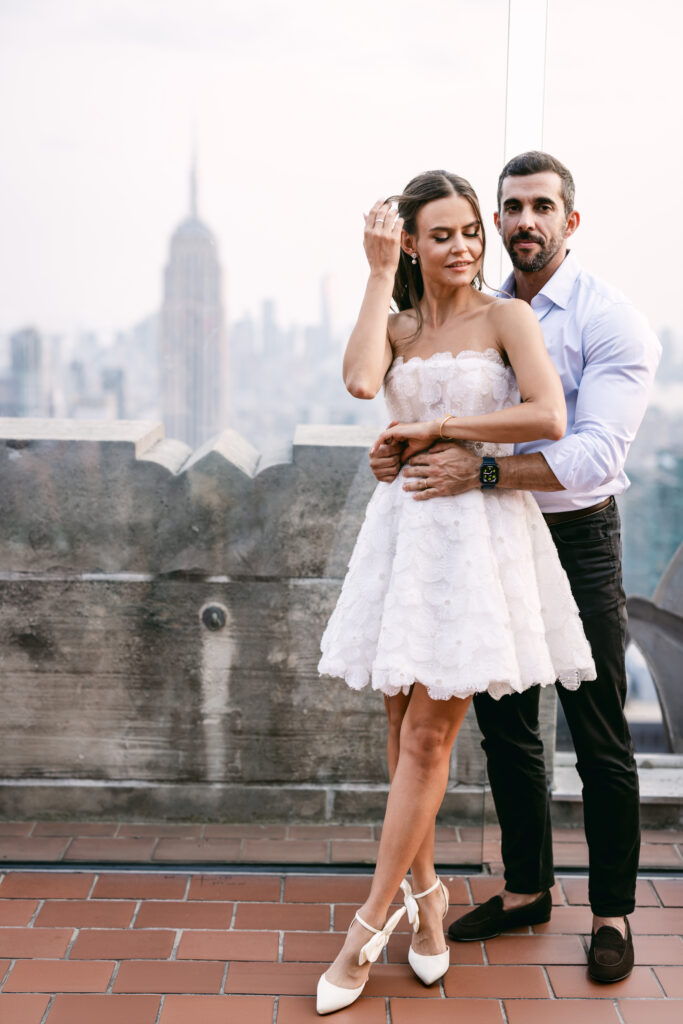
x=417, y=789
x=429, y=940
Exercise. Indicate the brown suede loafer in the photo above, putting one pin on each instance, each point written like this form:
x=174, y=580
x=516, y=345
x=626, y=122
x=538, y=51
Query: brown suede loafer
x=490, y=919
x=610, y=957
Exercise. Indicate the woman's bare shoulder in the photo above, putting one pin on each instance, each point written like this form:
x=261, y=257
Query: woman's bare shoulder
x=401, y=327
x=511, y=312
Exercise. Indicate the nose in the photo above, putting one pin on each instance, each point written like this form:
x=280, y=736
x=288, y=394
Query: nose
x=459, y=243
x=526, y=219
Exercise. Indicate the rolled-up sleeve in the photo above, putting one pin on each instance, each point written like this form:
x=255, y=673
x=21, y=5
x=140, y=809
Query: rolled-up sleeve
x=621, y=354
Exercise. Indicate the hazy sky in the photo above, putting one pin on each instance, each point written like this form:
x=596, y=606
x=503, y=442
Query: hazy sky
x=305, y=113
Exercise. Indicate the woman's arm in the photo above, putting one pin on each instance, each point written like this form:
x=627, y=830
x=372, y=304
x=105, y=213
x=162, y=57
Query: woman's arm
x=542, y=411
x=368, y=353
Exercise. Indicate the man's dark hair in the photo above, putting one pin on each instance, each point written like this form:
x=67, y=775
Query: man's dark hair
x=535, y=162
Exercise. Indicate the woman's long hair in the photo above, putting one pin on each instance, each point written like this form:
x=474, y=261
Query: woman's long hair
x=408, y=284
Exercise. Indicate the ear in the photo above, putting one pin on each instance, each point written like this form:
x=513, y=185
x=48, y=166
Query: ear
x=573, y=221
x=496, y=221
x=408, y=243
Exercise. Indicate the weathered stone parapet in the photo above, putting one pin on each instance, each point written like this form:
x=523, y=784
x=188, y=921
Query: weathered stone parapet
x=160, y=616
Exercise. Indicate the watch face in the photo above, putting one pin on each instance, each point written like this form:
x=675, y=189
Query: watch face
x=489, y=474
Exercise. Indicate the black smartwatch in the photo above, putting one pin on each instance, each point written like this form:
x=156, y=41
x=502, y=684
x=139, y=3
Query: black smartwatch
x=488, y=473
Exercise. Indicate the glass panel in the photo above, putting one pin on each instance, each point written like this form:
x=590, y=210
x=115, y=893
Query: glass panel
x=175, y=176
x=609, y=83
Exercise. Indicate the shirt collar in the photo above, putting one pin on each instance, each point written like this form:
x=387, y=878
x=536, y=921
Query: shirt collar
x=559, y=288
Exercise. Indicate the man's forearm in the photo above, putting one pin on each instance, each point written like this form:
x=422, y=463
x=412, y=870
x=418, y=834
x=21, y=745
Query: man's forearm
x=527, y=473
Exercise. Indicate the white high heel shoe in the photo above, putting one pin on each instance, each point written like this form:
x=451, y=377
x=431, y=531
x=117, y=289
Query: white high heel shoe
x=428, y=968
x=332, y=997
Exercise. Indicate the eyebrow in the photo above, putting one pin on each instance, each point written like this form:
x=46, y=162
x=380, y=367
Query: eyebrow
x=472, y=224
x=536, y=199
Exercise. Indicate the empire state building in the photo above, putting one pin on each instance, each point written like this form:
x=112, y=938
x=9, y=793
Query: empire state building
x=194, y=348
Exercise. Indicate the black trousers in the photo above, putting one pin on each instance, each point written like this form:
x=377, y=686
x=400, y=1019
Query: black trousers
x=590, y=551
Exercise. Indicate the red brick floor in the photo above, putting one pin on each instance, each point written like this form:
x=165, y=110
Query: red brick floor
x=147, y=947
x=73, y=842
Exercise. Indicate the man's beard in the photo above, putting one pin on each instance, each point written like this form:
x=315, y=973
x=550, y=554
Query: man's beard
x=530, y=264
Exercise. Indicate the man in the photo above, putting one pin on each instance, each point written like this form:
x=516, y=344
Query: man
x=606, y=356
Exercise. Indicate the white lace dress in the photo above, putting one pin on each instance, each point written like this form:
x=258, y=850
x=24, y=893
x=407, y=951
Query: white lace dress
x=463, y=594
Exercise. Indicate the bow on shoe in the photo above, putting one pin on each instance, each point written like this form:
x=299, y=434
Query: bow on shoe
x=411, y=905
x=374, y=946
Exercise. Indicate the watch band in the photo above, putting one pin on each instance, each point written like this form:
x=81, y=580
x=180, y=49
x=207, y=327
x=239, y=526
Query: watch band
x=488, y=473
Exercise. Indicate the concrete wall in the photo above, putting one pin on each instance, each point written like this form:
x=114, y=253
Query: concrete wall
x=160, y=615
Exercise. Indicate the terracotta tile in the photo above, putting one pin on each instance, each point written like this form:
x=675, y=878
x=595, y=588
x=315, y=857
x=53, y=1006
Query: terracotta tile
x=645, y=1011
x=58, y=885
x=286, y=916
x=570, y=855
x=217, y=1010
x=574, y=982
x=576, y=892
x=301, y=1010
x=506, y=982
x=327, y=888
x=658, y=949
x=653, y=855
x=245, y=831
x=560, y=1011
x=454, y=853
x=27, y=848
x=460, y=952
x=187, y=977
x=23, y=1009
x=75, y=828
x=102, y=944
x=330, y=832
x=569, y=835
x=448, y=1011
x=86, y=914
x=535, y=949
x=395, y=980
x=457, y=889
x=272, y=979
x=183, y=914
x=58, y=976
x=285, y=851
x=662, y=835
x=566, y=921
x=221, y=945
x=353, y=851
x=214, y=851
x=311, y=947
x=671, y=979
x=160, y=829
x=656, y=921
x=669, y=890
x=235, y=887
x=28, y=943
x=94, y=848
x=16, y=828
x=16, y=912
x=79, y=1009
x=129, y=886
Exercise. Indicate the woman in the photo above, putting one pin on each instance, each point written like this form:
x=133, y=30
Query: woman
x=449, y=597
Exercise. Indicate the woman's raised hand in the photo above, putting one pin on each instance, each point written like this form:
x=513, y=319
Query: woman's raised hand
x=382, y=237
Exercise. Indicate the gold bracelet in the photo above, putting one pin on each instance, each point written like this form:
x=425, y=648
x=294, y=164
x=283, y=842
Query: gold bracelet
x=451, y=416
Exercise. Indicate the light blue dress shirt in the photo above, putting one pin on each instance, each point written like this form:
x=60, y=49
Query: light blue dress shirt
x=606, y=355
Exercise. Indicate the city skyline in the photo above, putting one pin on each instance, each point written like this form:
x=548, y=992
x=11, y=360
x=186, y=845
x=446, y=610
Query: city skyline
x=110, y=94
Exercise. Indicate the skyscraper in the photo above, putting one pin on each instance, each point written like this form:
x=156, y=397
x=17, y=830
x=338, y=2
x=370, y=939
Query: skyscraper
x=193, y=334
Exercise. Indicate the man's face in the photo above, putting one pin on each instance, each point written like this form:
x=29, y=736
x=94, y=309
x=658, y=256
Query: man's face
x=532, y=220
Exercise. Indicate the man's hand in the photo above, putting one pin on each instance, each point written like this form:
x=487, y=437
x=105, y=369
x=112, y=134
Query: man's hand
x=385, y=461
x=444, y=470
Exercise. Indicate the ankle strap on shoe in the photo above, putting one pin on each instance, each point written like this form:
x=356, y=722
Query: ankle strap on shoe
x=374, y=946
x=419, y=895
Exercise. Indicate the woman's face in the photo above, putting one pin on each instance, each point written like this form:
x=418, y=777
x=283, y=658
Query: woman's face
x=449, y=242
